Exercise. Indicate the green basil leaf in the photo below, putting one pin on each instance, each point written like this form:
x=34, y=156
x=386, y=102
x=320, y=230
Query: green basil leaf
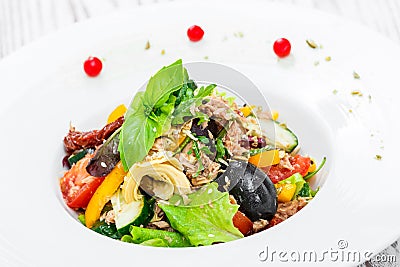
x=137, y=103
x=137, y=137
x=166, y=81
x=149, y=114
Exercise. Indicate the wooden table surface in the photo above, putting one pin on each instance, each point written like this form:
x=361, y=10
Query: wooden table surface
x=23, y=21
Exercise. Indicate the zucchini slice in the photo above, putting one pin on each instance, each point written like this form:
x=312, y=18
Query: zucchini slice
x=279, y=135
x=135, y=213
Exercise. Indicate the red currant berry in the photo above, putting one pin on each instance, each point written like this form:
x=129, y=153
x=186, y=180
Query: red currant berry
x=195, y=33
x=282, y=47
x=92, y=66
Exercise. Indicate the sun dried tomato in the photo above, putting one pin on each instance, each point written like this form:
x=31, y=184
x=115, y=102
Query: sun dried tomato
x=78, y=140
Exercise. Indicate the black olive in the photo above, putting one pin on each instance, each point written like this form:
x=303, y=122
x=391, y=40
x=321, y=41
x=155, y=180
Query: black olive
x=252, y=189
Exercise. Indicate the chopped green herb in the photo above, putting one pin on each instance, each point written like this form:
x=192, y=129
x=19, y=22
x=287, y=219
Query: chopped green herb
x=311, y=174
x=203, y=139
x=221, y=150
x=259, y=150
x=335, y=91
x=206, y=150
x=356, y=75
x=311, y=43
x=238, y=34
x=147, y=47
x=197, y=154
x=356, y=93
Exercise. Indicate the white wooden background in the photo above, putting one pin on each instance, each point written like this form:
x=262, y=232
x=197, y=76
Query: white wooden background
x=23, y=21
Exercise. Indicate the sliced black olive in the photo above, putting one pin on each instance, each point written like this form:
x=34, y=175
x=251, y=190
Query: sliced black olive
x=213, y=126
x=252, y=189
x=107, y=156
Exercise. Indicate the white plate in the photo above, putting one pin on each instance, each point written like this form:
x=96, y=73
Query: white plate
x=44, y=88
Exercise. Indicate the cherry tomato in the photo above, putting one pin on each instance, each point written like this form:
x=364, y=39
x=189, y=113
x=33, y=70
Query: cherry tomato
x=78, y=186
x=92, y=66
x=282, y=47
x=278, y=173
x=82, y=197
x=241, y=222
x=195, y=33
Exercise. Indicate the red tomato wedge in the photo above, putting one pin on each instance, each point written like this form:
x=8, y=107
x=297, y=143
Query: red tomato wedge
x=278, y=173
x=241, y=222
x=78, y=186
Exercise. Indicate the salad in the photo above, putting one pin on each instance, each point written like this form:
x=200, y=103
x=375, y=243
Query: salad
x=185, y=165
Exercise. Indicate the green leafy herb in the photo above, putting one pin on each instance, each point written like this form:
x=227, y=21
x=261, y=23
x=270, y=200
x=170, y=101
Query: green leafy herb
x=187, y=90
x=203, y=139
x=306, y=191
x=221, y=149
x=197, y=154
x=311, y=174
x=206, y=150
x=149, y=114
x=183, y=111
x=207, y=219
x=185, y=142
x=109, y=230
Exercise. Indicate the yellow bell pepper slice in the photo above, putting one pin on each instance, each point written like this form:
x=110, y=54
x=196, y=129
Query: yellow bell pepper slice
x=313, y=166
x=275, y=115
x=103, y=194
x=265, y=158
x=117, y=113
x=285, y=192
x=247, y=110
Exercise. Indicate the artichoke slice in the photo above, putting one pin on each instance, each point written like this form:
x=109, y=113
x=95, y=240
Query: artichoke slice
x=162, y=175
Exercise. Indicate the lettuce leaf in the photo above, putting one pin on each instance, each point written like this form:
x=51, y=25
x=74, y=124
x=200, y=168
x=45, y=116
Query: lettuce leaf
x=205, y=217
x=140, y=235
